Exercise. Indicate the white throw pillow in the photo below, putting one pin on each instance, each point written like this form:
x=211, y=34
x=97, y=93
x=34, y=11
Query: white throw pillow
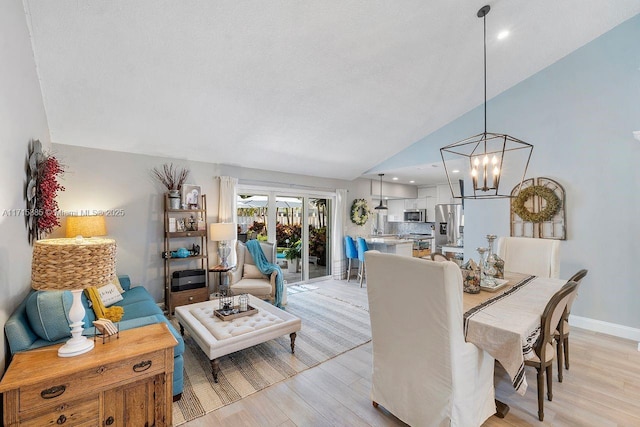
x=252, y=272
x=109, y=294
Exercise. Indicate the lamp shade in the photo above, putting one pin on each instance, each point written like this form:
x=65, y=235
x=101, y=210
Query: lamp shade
x=86, y=226
x=222, y=231
x=68, y=264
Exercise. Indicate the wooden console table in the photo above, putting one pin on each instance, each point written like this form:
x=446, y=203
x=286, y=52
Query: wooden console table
x=125, y=381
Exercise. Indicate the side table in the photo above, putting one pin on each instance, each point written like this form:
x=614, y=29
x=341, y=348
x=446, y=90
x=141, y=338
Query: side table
x=220, y=269
x=126, y=381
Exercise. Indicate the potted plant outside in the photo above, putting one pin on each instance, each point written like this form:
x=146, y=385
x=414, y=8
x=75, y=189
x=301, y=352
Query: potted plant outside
x=292, y=254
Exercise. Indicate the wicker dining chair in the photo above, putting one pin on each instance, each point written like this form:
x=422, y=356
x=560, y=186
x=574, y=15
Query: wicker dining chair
x=437, y=256
x=544, y=351
x=562, y=340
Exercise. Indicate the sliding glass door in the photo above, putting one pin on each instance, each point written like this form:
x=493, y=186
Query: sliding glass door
x=299, y=224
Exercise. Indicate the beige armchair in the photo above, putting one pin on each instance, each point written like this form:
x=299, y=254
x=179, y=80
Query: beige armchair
x=245, y=278
x=538, y=257
x=423, y=370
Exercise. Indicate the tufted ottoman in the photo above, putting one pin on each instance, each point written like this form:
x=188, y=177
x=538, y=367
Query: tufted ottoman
x=218, y=338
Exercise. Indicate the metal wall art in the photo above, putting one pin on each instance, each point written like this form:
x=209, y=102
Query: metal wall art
x=538, y=209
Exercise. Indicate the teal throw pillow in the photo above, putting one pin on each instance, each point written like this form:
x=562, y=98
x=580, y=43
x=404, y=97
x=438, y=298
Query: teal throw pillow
x=48, y=314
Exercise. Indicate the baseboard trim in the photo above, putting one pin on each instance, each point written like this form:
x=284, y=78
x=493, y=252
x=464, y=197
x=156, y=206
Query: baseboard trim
x=614, y=329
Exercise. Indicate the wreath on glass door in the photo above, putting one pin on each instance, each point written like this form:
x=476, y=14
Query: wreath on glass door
x=359, y=212
x=546, y=214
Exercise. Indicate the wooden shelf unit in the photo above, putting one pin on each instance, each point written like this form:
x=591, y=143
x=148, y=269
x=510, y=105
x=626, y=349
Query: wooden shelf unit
x=199, y=237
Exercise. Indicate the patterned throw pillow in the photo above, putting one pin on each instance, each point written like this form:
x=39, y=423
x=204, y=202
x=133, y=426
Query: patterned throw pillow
x=109, y=294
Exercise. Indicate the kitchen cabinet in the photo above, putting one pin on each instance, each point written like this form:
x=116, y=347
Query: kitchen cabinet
x=430, y=197
x=410, y=204
x=395, y=211
x=444, y=195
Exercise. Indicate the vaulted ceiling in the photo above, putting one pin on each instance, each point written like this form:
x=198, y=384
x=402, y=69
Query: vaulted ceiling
x=325, y=88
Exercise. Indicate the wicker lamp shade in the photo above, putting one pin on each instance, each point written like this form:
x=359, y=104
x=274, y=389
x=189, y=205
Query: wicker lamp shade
x=66, y=264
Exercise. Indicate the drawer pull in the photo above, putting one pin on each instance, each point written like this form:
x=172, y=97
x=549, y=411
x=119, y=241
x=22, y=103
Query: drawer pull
x=109, y=421
x=61, y=420
x=52, y=392
x=190, y=298
x=142, y=366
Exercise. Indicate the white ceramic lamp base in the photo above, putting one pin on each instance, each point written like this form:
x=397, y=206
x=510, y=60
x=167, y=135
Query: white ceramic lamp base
x=78, y=344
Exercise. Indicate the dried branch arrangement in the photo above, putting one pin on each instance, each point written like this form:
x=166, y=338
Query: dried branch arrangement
x=170, y=176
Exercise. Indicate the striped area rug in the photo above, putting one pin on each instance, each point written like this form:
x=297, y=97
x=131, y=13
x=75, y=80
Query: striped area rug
x=329, y=328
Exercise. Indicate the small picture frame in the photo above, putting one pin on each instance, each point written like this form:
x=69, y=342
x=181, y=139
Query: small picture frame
x=180, y=225
x=191, y=196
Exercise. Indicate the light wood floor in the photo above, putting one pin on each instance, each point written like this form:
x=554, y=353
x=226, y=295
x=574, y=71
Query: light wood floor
x=602, y=388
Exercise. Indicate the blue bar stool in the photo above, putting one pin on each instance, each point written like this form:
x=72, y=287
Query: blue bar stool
x=362, y=248
x=351, y=252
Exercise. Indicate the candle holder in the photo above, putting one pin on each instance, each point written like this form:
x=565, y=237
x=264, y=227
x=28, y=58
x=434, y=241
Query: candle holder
x=243, y=302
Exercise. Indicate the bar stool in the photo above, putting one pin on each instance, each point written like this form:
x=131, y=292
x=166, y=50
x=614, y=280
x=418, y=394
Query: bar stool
x=351, y=252
x=362, y=248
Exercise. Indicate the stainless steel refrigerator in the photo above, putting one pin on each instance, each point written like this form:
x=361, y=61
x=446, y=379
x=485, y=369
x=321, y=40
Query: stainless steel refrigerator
x=448, y=227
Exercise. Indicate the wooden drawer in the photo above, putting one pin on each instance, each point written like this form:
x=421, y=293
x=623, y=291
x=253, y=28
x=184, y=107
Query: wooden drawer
x=65, y=389
x=189, y=297
x=79, y=413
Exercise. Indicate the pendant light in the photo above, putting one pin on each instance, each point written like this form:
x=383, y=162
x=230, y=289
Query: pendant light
x=380, y=206
x=487, y=159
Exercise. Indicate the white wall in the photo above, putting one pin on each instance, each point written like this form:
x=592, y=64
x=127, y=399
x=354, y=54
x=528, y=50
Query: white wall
x=109, y=180
x=22, y=118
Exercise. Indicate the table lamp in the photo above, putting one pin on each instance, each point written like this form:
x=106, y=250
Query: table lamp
x=71, y=264
x=86, y=226
x=223, y=233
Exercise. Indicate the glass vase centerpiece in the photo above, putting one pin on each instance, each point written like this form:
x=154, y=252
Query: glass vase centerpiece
x=484, y=278
x=494, y=262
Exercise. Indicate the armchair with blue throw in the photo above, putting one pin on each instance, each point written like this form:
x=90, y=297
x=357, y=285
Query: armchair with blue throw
x=41, y=320
x=246, y=277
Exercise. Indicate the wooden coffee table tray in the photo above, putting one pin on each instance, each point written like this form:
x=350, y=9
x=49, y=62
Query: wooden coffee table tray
x=221, y=313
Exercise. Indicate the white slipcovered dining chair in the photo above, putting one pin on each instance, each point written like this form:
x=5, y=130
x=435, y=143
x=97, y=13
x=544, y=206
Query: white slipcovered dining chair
x=538, y=257
x=423, y=370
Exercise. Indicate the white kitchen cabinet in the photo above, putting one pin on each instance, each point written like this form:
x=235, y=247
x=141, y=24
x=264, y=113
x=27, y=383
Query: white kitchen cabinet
x=395, y=212
x=444, y=195
x=411, y=204
x=429, y=197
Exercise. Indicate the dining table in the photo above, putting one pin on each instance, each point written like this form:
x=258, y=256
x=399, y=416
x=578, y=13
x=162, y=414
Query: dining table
x=506, y=322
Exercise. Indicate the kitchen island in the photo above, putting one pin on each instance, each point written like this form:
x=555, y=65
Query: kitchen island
x=391, y=245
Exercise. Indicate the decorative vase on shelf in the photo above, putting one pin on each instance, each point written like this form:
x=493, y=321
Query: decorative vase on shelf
x=174, y=199
x=493, y=260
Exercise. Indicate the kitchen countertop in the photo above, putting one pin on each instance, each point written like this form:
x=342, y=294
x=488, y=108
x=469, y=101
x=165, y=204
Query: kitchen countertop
x=452, y=248
x=387, y=240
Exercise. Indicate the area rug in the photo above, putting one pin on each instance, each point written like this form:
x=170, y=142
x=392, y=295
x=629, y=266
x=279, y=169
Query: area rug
x=330, y=327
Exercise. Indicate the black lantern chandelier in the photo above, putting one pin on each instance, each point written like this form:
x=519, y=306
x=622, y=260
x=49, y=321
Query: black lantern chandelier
x=380, y=206
x=486, y=159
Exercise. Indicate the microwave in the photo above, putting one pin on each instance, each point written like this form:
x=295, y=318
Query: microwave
x=415, y=215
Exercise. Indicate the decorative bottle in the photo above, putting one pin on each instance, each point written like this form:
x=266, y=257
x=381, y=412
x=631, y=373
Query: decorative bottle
x=494, y=260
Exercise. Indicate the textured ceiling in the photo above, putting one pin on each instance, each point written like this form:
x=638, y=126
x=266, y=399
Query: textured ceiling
x=324, y=88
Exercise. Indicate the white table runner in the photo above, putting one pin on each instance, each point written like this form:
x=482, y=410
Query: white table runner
x=508, y=325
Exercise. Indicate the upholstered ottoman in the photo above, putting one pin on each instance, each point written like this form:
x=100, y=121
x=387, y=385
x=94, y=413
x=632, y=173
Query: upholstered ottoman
x=218, y=338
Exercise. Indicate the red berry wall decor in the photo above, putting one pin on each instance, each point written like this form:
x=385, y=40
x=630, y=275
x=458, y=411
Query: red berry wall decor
x=42, y=214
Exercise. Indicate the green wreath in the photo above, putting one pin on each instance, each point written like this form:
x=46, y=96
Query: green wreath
x=552, y=207
x=359, y=212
